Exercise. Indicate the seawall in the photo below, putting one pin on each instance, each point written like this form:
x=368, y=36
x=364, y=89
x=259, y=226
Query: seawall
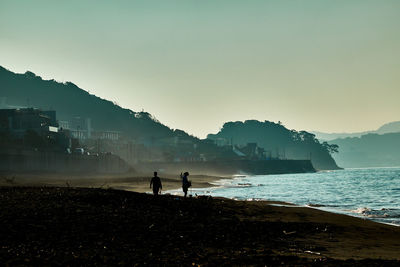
x=229, y=167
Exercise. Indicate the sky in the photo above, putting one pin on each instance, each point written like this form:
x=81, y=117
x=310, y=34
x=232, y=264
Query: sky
x=330, y=66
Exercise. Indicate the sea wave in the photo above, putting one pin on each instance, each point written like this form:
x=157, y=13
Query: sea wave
x=313, y=205
x=367, y=193
x=377, y=213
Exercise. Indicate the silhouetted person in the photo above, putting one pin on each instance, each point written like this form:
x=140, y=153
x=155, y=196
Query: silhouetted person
x=156, y=183
x=185, y=183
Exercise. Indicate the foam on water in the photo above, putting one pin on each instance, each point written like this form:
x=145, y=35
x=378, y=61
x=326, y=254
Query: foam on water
x=372, y=193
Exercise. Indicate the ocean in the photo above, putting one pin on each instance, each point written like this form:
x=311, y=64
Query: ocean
x=371, y=193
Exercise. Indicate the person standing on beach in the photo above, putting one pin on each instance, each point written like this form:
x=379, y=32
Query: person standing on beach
x=185, y=183
x=156, y=183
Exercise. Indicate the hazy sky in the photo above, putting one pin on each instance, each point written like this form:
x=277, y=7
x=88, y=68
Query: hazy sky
x=332, y=66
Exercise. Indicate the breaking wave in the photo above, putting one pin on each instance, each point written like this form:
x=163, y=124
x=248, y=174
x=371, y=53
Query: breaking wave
x=372, y=193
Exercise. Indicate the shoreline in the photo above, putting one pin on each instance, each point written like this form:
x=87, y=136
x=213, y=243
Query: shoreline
x=351, y=213
x=140, y=184
x=131, y=182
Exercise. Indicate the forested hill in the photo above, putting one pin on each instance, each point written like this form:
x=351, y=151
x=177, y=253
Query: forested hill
x=71, y=101
x=279, y=141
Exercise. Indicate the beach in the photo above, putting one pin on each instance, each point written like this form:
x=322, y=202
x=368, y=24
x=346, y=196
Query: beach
x=92, y=226
x=130, y=182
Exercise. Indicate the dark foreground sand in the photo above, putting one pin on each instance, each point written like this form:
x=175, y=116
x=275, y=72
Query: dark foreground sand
x=78, y=226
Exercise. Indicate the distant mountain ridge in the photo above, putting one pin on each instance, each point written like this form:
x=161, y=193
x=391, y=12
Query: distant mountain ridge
x=369, y=150
x=391, y=127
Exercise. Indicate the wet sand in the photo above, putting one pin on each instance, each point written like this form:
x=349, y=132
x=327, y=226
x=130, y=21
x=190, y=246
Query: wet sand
x=134, y=182
x=83, y=226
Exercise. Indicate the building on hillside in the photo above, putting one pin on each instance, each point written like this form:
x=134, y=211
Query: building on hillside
x=84, y=135
x=238, y=152
x=18, y=121
x=222, y=142
x=81, y=128
x=32, y=128
x=64, y=125
x=107, y=135
x=252, y=151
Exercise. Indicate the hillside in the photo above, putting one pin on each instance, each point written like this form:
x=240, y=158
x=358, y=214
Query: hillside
x=278, y=141
x=370, y=150
x=70, y=101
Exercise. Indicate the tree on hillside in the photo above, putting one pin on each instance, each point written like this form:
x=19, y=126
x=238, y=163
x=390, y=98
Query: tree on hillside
x=331, y=148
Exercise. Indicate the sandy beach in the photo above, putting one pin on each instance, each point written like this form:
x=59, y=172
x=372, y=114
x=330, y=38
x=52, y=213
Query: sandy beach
x=131, y=182
x=83, y=226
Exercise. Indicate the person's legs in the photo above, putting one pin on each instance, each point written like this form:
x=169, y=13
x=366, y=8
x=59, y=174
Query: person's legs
x=155, y=191
x=185, y=189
